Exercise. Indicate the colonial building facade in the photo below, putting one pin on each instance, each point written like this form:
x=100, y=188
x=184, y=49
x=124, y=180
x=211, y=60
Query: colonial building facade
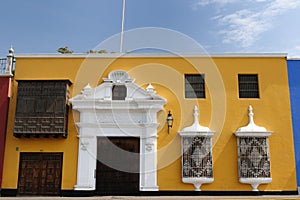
x=110, y=124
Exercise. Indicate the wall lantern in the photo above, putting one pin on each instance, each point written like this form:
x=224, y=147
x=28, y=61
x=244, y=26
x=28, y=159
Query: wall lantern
x=170, y=121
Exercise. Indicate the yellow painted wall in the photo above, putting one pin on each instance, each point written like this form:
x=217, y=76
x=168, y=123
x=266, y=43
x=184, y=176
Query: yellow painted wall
x=221, y=110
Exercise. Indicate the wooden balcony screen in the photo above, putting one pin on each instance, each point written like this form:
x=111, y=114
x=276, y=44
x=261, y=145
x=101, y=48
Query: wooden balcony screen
x=42, y=108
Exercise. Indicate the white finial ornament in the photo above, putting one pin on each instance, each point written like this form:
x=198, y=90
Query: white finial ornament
x=11, y=50
x=196, y=127
x=250, y=114
x=251, y=127
x=10, y=61
x=150, y=89
x=87, y=90
x=88, y=86
x=196, y=114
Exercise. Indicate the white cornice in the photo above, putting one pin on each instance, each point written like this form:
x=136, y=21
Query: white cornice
x=201, y=133
x=156, y=55
x=114, y=125
x=253, y=134
x=117, y=105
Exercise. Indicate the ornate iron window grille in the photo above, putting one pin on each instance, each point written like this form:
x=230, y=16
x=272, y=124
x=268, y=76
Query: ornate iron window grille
x=197, y=158
x=196, y=142
x=254, y=159
x=253, y=154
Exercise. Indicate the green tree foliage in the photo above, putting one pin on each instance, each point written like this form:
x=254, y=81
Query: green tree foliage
x=64, y=50
x=98, y=51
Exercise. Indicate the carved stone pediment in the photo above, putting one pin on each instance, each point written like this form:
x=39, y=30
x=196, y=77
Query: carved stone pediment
x=103, y=92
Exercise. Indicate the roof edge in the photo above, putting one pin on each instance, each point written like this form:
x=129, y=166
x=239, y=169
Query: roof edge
x=154, y=55
x=296, y=58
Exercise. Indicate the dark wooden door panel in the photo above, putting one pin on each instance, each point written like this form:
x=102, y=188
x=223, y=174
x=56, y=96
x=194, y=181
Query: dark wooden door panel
x=40, y=173
x=117, y=170
x=29, y=174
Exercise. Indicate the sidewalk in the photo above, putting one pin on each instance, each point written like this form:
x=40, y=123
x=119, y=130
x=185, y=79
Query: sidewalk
x=289, y=197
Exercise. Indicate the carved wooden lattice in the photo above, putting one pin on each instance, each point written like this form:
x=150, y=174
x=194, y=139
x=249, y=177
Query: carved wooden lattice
x=254, y=159
x=42, y=108
x=197, y=158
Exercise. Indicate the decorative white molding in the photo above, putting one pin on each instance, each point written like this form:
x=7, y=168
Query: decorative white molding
x=119, y=77
x=84, y=145
x=255, y=182
x=203, y=137
x=149, y=147
x=197, y=182
x=100, y=116
x=253, y=143
x=252, y=130
x=196, y=128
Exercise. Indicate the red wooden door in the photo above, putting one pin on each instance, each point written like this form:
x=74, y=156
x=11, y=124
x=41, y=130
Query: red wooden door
x=40, y=173
x=117, y=166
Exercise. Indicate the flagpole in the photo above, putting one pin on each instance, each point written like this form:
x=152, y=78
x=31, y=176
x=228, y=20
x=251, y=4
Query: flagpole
x=122, y=31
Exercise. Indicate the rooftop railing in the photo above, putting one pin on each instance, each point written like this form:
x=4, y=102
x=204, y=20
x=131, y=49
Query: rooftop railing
x=3, y=62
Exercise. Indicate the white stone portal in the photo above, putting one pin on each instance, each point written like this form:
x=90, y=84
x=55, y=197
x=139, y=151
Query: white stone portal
x=100, y=116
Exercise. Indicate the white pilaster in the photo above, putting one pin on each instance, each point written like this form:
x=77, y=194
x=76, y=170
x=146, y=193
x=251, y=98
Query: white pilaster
x=148, y=174
x=87, y=160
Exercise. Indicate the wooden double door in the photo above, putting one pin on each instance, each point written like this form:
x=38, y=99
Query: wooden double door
x=117, y=166
x=40, y=173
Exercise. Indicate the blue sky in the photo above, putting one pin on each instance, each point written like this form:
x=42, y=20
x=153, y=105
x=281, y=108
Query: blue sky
x=42, y=26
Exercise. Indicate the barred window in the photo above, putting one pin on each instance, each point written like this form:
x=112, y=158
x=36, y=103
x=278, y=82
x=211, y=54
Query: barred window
x=194, y=86
x=42, y=108
x=248, y=86
x=119, y=92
